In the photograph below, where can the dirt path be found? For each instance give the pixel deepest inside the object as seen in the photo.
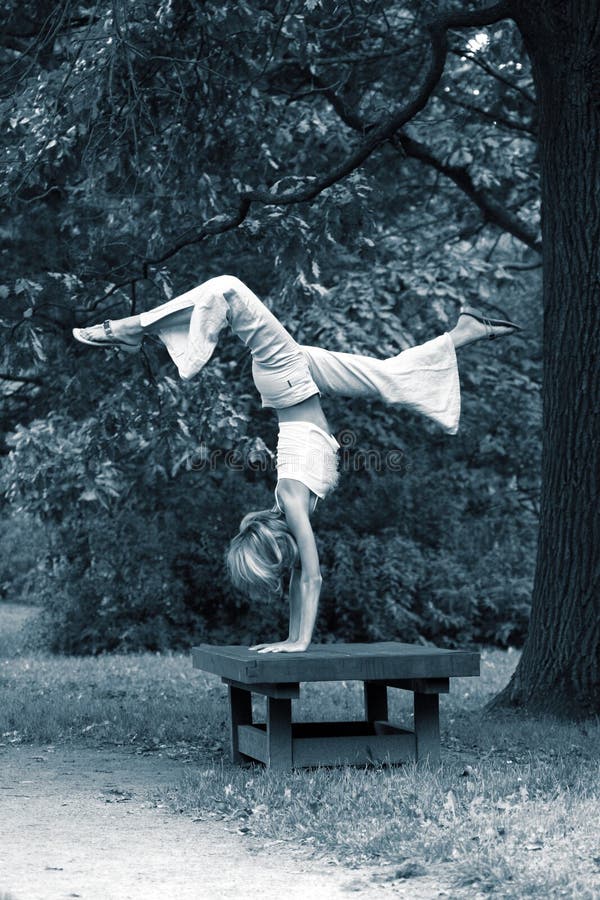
(83, 823)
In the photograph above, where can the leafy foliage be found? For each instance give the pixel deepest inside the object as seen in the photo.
(125, 132)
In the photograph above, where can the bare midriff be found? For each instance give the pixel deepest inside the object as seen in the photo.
(309, 410)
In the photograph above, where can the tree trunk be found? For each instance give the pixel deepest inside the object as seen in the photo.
(559, 671)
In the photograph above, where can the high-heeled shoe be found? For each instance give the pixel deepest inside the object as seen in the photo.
(109, 341)
(489, 322)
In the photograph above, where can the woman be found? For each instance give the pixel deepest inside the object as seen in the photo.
(290, 378)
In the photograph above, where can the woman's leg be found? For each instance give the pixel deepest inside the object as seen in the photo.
(188, 325)
(422, 378)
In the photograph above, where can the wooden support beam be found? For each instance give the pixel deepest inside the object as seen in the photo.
(291, 691)
(279, 732)
(253, 742)
(240, 713)
(422, 685)
(427, 728)
(353, 750)
(376, 702)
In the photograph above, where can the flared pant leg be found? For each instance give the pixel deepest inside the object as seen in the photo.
(422, 378)
(191, 344)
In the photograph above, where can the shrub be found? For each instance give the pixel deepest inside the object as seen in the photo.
(23, 546)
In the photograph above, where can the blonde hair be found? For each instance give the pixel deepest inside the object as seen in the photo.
(260, 554)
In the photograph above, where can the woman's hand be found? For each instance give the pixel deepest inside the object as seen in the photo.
(282, 647)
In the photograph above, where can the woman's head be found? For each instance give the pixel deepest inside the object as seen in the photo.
(261, 553)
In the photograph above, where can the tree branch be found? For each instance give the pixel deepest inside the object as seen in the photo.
(496, 118)
(494, 73)
(377, 135)
(492, 210)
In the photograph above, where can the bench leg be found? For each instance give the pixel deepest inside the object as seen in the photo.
(240, 713)
(279, 733)
(376, 701)
(427, 728)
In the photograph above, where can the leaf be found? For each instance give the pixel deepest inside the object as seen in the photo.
(37, 347)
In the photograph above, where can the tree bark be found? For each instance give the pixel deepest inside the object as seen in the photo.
(559, 671)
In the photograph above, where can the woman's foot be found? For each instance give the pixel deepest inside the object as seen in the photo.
(126, 334)
(473, 325)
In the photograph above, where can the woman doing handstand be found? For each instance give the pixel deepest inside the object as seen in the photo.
(290, 379)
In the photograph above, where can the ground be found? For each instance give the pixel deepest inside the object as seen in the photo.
(115, 783)
(88, 823)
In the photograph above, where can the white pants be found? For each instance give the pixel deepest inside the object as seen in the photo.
(423, 378)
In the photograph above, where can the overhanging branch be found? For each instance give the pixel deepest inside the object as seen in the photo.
(377, 135)
(492, 209)
(494, 73)
(494, 117)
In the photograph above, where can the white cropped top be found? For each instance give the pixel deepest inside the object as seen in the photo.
(308, 454)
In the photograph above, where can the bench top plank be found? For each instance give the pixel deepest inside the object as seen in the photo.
(335, 662)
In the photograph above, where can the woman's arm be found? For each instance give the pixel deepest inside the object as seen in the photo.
(305, 583)
(294, 601)
(304, 603)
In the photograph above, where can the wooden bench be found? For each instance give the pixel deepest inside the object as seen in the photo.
(283, 744)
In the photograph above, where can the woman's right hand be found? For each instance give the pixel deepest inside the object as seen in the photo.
(282, 647)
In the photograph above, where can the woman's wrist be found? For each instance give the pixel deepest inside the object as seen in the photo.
(298, 644)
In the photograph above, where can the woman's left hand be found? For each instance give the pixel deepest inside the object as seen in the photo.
(282, 647)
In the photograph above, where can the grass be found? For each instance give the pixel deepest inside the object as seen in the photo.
(512, 811)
